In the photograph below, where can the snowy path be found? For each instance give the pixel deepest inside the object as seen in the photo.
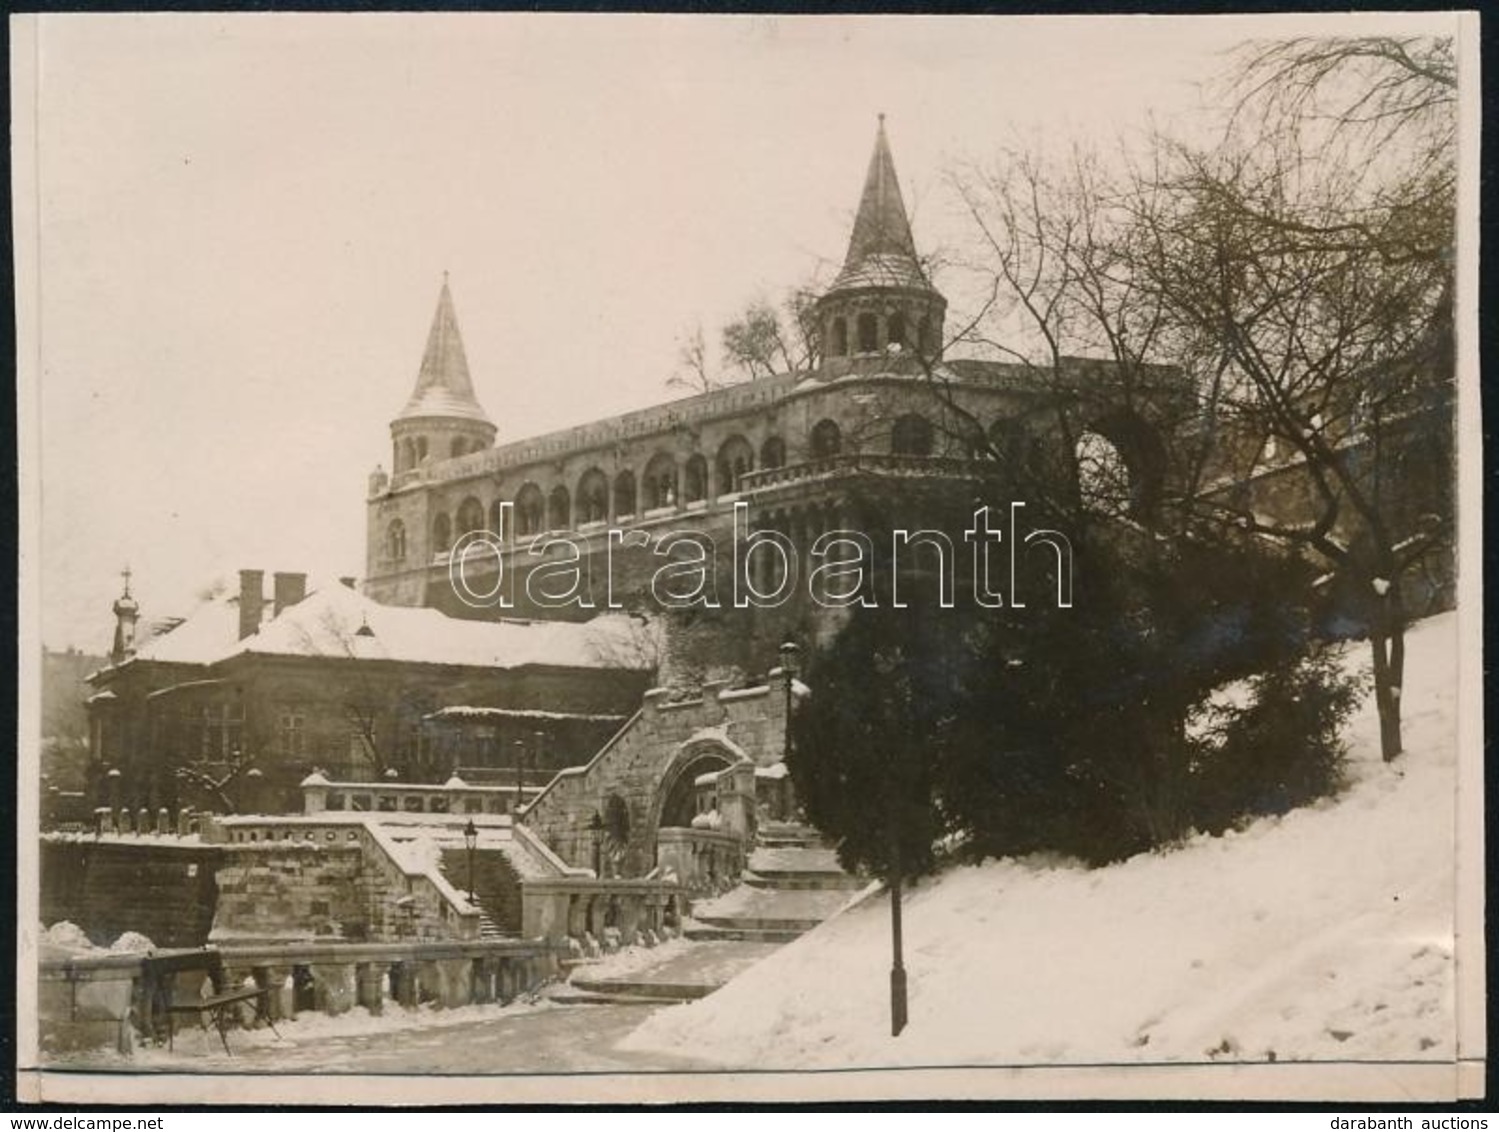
(542, 1039)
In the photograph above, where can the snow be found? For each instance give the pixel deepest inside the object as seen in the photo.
(329, 620)
(1324, 934)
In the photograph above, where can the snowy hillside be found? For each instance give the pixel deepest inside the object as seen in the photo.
(1326, 934)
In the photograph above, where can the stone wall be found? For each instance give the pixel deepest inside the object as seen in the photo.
(293, 891)
(661, 747)
(163, 888)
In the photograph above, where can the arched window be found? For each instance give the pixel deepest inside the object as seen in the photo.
(840, 338)
(827, 439)
(869, 334)
(395, 541)
(911, 436)
(624, 494)
(559, 509)
(421, 449)
(442, 534)
(895, 330)
(494, 519)
(593, 497)
(530, 510)
(695, 479)
(773, 453)
(735, 458)
(470, 516)
(459, 447)
(661, 481)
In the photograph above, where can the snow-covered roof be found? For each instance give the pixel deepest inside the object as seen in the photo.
(465, 711)
(331, 621)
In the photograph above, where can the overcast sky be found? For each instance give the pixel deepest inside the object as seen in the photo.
(245, 221)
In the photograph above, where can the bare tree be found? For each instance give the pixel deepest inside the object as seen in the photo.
(693, 373)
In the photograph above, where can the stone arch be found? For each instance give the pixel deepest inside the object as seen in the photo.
(1138, 475)
(827, 439)
(593, 497)
(530, 510)
(695, 479)
(735, 459)
(773, 453)
(675, 801)
(470, 515)
(625, 496)
(559, 509)
(661, 481)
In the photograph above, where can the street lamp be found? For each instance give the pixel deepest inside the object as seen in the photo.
(470, 841)
(596, 830)
(789, 652)
(520, 774)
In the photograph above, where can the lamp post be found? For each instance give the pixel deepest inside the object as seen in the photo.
(897, 963)
(520, 774)
(596, 831)
(470, 842)
(789, 651)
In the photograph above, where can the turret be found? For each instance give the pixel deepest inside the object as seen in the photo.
(127, 612)
(882, 302)
(443, 418)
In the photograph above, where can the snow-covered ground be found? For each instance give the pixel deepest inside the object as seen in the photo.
(1324, 934)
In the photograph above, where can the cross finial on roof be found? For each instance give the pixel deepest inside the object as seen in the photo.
(125, 573)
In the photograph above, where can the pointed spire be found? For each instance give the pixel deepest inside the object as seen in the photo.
(443, 386)
(881, 227)
(881, 251)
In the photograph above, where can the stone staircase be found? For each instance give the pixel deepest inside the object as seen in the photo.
(496, 889)
(793, 883)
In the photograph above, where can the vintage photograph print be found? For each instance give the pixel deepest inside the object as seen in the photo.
(605, 558)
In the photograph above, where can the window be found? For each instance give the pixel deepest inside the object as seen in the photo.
(395, 541)
(442, 534)
(911, 436)
(495, 512)
(470, 516)
(869, 334)
(735, 458)
(827, 439)
(559, 509)
(335, 801)
(895, 330)
(840, 338)
(421, 449)
(460, 446)
(773, 453)
(593, 497)
(291, 734)
(661, 481)
(221, 726)
(624, 494)
(529, 510)
(695, 479)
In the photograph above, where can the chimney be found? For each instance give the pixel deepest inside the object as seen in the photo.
(289, 589)
(251, 601)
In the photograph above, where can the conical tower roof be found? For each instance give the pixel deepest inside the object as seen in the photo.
(443, 386)
(881, 252)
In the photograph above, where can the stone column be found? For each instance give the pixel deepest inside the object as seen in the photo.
(280, 1000)
(370, 978)
(334, 986)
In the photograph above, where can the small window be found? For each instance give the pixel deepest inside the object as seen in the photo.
(840, 338)
(335, 801)
(895, 330)
(869, 334)
(827, 439)
(413, 804)
(442, 534)
(773, 453)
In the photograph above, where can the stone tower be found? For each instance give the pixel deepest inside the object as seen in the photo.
(127, 612)
(882, 303)
(443, 418)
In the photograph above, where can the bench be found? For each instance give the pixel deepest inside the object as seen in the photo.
(218, 1008)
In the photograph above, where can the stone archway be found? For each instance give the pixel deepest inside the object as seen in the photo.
(676, 797)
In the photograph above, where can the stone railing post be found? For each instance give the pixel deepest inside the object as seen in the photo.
(335, 989)
(370, 979)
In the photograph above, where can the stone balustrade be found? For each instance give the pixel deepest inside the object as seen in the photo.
(94, 1000)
